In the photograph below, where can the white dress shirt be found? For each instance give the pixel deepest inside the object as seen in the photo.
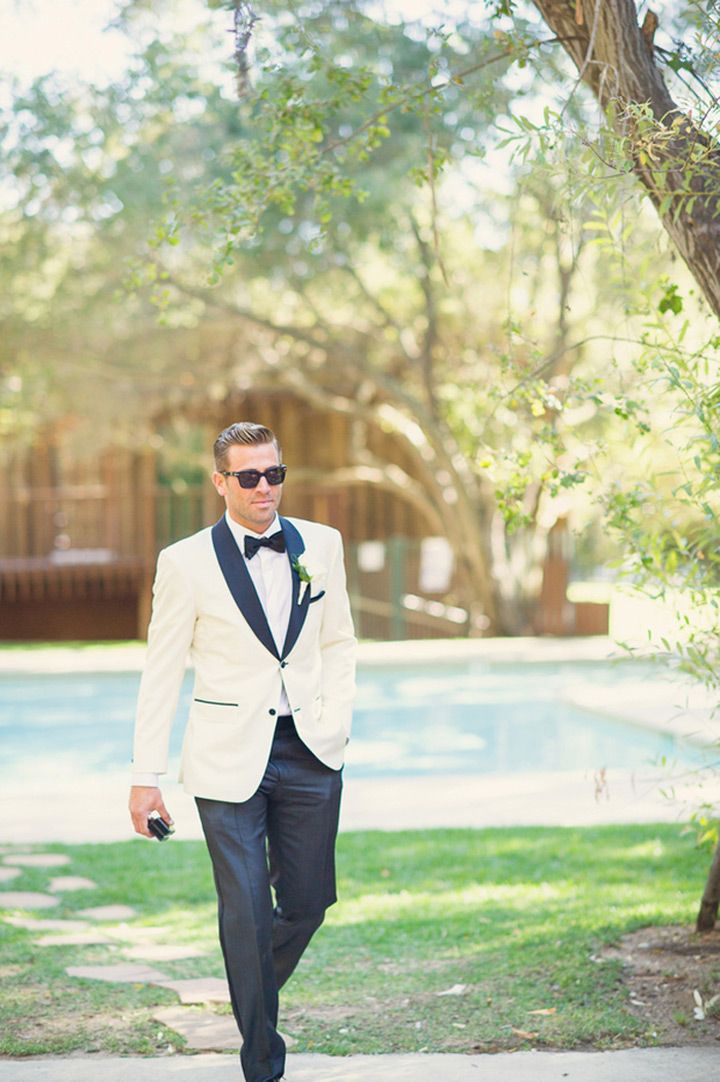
(272, 578)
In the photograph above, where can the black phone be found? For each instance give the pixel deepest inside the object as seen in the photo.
(159, 827)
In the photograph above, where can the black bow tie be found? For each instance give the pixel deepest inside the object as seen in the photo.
(276, 542)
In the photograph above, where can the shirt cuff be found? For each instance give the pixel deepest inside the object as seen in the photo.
(145, 779)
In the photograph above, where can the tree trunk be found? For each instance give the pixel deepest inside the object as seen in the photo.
(678, 163)
(711, 897)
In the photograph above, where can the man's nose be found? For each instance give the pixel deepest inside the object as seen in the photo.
(263, 484)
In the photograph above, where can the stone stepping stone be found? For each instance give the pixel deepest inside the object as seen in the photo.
(47, 925)
(108, 912)
(28, 899)
(38, 860)
(6, 874)
(162, 952)
(202, 1030)
(71, 882)
(72, 939)
(200, 989)
(123, 973)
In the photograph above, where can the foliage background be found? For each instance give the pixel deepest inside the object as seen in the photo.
(425, 222)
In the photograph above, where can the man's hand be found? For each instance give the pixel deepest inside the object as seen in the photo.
(143, 800)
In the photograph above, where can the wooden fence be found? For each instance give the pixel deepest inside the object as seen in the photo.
(76, 562)
(77, 559)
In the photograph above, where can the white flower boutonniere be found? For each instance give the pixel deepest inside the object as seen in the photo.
(306, 572)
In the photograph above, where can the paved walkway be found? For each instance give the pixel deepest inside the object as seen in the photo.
(632, 1065)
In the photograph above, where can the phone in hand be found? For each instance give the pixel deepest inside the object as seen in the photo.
(158, 826)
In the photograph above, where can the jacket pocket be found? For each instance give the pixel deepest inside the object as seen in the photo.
(214, 702)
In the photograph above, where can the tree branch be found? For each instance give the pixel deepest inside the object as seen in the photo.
(620, 69)
(431, 329)
(417, 94)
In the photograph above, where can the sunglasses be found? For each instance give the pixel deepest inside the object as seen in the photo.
(275, 475)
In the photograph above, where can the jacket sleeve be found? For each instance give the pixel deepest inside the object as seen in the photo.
(338, 644)
(169, 637)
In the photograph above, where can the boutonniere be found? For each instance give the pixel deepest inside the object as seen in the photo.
(306, 572)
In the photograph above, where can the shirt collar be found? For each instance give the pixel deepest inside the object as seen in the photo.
(239, 531)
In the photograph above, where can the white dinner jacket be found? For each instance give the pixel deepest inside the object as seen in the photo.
(205, 604)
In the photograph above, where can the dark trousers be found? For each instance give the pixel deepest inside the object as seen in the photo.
(282, 837)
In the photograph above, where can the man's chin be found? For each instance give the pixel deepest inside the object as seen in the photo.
(263, 519)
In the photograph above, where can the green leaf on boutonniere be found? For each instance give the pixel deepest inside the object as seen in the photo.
(302, 571)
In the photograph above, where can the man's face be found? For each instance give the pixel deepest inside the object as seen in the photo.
(253, 508)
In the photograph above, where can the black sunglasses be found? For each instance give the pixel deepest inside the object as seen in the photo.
(275, 475)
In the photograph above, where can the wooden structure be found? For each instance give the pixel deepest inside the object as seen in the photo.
(556, 615)
(79, 535)
(77, 544)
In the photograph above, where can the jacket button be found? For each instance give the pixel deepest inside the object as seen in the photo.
(283, 664)
(272, 712)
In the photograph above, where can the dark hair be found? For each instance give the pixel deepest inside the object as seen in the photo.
(246, 433)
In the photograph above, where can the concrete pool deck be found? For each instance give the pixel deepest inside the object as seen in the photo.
(46, 807)
(130, 657)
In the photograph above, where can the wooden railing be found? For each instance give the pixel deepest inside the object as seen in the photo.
(85, 522)
(76, 543)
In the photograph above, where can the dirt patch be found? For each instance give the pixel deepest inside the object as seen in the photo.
(94, 1024)
(666, 971)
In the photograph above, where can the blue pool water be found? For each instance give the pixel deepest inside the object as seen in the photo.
(464, 717)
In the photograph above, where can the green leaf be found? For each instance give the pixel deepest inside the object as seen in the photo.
(671, 300)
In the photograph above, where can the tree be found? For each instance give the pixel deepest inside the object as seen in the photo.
(396, 366)
(480, 402)
(675, 156)
(383, 347)
(676, 159)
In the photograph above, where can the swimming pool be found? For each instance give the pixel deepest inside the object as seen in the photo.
(460, 717)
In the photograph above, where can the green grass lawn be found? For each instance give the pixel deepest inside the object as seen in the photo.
(514, 915)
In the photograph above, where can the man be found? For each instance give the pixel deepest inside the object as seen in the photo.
(260, 604)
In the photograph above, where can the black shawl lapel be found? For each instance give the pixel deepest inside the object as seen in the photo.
(295, 547)
(240, 585)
